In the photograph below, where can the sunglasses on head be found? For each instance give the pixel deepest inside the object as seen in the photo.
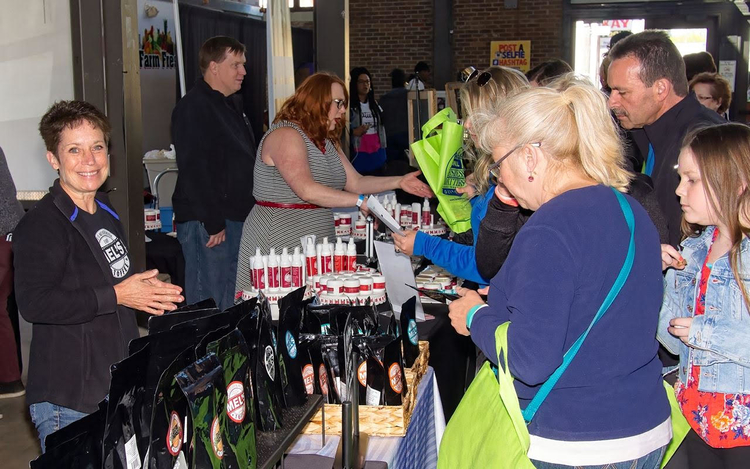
(482, 78)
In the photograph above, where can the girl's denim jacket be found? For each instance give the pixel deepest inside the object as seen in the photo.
(720, 338)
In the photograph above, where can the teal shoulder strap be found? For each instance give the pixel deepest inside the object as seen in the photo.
(544, 391)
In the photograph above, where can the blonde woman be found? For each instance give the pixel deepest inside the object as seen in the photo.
(558, 153)
(481, 92)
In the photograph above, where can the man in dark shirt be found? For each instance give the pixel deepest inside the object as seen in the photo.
(215, 157)
(650, 98)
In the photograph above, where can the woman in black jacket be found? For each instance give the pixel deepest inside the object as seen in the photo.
(74, 279)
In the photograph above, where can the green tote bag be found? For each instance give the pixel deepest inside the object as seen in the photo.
(487, 430)
(439, 155)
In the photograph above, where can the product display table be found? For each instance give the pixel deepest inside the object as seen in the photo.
(418, 449)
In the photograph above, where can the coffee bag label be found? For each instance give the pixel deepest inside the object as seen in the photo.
(394, 378)
(308, 377)
(362, 373)
(268, 359)
(413, 334)
(174, 434)
(216, 442)
(323, 378)
(291, 345)
(236, 401)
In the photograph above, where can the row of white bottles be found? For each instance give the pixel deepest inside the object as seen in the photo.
(277, 272)
(280, 272)
(413, 215)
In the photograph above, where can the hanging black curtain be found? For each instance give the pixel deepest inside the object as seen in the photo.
(198, 24)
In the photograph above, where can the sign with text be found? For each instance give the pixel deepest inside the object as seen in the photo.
(158, 64)
(513, 54)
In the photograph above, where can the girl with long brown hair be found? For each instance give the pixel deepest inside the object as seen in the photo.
(705, 316)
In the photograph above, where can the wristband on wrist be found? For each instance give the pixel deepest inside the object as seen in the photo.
(360, 200)
(508, 200)
(472, 312)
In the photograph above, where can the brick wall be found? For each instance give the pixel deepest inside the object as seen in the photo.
(477, 22)
(388, 34)
(384, 34)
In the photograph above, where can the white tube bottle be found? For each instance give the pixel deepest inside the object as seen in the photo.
(351, 255)
(273, 269)
(285, 270)
(258, 271)
(297, 275)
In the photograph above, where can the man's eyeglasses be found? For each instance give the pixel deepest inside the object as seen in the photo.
(340, 103)
(494, 169)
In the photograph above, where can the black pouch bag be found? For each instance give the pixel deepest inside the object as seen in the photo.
(126, 430)
(266, 373)
(361, 353)
(307, 367)
(170, 430)
(164, 348)
(409, 333)
(212, 336)
(321, 370)
(334, 364)
(76, 445)
(238, 419)
(91, 423)
(82, 451)
(364, 319)
(165, 321)
(393, 329)
(375, 392)
(289, 324)
(318, 319)
(395, 387)
(200, 382)
(240, 311)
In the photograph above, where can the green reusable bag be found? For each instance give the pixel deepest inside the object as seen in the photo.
(680, 425)
(439, 155)
(487, 429)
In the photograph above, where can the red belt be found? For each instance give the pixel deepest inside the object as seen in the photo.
(264, 203)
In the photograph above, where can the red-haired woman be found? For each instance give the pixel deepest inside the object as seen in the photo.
(301, 172)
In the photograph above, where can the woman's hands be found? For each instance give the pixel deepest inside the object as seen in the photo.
(670, 257)
(680, 328)
(470, 189)
(405, 243)
(459, 309)
(146, 293)
(409, 183)
(361, 130)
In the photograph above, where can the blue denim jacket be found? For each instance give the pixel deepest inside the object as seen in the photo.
(720, 338)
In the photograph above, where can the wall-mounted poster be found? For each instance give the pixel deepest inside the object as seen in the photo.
(513, 54)
(158, 62)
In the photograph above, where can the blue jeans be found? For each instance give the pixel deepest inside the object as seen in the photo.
(209, 272)
(650, 461)
(49, 418)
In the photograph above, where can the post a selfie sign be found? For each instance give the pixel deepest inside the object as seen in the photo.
(513, 54)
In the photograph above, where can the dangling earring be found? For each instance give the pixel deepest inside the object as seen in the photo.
(531, 178)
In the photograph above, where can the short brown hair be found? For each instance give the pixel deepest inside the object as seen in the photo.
(216, 48)
(309, 107)
(720, 89)
(657, 56)
(67, 115)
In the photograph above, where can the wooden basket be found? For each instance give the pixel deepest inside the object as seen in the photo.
(378, 420)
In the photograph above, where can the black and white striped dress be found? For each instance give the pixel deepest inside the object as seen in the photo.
(267, 227)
